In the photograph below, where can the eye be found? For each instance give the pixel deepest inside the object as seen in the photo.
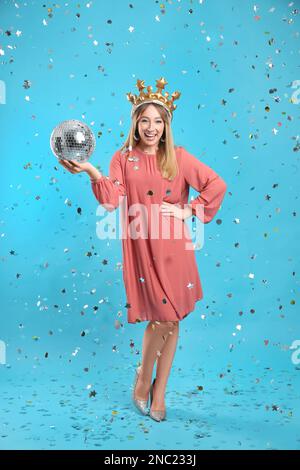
(145, 120)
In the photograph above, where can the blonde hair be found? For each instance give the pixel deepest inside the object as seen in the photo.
(166, 156)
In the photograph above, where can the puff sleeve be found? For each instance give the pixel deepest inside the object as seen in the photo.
(206, 181)
(109, 190)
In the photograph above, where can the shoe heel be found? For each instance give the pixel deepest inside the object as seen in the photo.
(151, 391)
(141, 405)
(156, 415)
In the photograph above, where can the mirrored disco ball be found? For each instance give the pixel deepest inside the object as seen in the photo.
(72, 140)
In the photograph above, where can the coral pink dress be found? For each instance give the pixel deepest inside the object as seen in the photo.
(159, 272)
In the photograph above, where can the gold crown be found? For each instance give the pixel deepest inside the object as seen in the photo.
(156, 96)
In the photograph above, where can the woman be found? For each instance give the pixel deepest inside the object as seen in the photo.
(159, 271)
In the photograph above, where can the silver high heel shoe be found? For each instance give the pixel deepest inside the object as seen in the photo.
(157, 415)
(141, 405)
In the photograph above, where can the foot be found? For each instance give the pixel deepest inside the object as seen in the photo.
(142, 389)
(158, 402)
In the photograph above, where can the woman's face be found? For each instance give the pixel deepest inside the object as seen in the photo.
(150, 127)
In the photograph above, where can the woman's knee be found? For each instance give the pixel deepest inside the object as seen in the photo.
(172, 324)
(166, 325)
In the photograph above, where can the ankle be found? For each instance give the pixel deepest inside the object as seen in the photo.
(159, 392)
(160, 384)
(145, 379)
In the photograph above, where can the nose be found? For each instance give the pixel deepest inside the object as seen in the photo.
(151, 127)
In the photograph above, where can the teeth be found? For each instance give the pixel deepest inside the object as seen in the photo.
(149, 135)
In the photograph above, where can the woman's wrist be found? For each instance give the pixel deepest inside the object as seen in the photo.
(187, 211)
(93, 173)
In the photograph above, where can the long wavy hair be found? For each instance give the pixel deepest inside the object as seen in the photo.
(166, 156)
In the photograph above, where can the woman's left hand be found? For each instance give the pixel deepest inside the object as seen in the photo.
(172, 210)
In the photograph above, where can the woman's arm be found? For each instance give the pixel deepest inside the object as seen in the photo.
(94, 174)
(206, 181)
(109, 190)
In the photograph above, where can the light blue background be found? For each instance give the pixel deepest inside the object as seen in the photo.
(250, 396)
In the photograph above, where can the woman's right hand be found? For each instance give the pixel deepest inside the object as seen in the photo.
(75, 167)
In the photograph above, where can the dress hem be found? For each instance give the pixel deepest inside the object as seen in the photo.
(178, 319)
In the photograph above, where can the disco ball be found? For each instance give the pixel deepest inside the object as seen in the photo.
(72, 140)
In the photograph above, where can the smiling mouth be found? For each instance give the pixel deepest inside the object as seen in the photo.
(149, 136)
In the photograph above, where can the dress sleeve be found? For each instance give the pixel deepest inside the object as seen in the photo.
(205, 180)
(109, 190)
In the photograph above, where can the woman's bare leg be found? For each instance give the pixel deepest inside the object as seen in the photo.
(155, 337)
(163, 368)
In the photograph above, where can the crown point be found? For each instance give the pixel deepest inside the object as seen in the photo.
(140, 84)
(161, 82)
(157, 96)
